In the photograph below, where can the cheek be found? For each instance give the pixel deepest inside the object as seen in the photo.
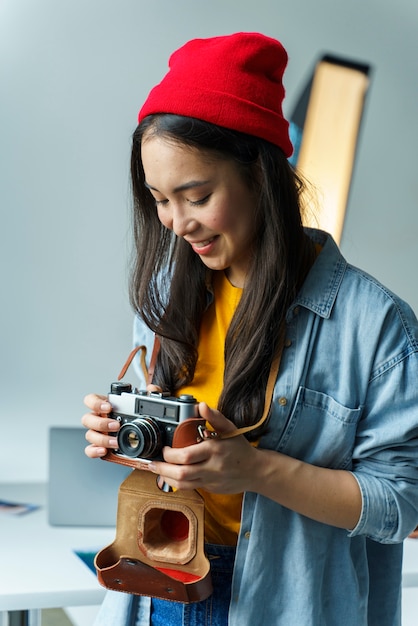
(232, 224)
(236, 215)
(222, 220)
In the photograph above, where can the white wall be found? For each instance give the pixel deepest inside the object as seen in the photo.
(72, 77)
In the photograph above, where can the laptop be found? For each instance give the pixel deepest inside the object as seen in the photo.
(81, 491)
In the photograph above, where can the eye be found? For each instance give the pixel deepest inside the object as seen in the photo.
(159, 202)
(156, 201)
(201, 201)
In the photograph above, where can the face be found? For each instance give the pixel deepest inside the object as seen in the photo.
(203, 200)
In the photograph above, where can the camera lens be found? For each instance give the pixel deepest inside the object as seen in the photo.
(140, 438)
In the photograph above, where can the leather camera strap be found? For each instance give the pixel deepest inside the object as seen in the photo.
(274, 370)
(148, 374)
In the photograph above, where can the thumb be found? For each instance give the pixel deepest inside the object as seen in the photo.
(151, 388)
(218, 422)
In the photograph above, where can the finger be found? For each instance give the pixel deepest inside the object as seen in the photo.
(98, 404)
(177, 476)
(101, 440)
(101, 424)
(197, 453)
(217, 421)
(154, 388)
(95, 452)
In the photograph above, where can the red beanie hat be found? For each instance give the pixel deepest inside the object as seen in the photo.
(233, 81)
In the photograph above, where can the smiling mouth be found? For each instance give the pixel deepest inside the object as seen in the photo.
(202, 244)
(203, 247)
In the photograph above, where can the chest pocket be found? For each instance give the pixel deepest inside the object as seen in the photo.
(320, 430)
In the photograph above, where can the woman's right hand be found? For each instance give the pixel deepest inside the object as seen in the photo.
(101, 429)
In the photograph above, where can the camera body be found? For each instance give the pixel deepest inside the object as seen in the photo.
(148, 420)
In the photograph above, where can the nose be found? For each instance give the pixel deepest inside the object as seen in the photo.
(182, 221)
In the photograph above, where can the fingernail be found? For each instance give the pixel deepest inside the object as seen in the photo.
(114, 425)
(105, 406)
(113, 442)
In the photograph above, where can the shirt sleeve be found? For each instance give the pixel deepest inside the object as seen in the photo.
(385, 458)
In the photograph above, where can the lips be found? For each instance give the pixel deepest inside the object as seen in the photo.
(202, 244)
(203, 247)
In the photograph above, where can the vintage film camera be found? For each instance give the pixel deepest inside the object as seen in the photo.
(148, 420)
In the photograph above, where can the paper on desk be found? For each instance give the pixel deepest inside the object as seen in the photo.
(16, 508)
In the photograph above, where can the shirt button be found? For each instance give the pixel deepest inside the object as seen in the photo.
(287, 343)
(282, 401)
(296, 310)
(247, 534)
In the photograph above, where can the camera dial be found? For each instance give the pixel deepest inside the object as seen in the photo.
(120, 387)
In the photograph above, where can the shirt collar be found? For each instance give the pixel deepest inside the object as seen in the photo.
(320, 289)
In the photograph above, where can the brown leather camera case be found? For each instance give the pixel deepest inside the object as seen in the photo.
(159, 546)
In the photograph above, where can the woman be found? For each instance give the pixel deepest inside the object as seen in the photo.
(307, 513)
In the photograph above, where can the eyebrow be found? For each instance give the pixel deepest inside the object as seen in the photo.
(189, 185)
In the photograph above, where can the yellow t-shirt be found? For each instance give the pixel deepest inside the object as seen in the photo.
(222, 512)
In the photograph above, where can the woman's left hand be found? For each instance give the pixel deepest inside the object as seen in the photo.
(227, 466)
(216, 465)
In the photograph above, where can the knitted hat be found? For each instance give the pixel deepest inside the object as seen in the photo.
(234, 81)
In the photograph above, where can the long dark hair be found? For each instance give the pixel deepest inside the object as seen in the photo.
(168, 287)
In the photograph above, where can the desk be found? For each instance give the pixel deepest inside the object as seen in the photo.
(38, 566)
(410, 563)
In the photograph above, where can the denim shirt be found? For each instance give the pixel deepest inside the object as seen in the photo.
(346, 398)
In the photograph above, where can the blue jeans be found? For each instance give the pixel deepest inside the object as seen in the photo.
(210, 612)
